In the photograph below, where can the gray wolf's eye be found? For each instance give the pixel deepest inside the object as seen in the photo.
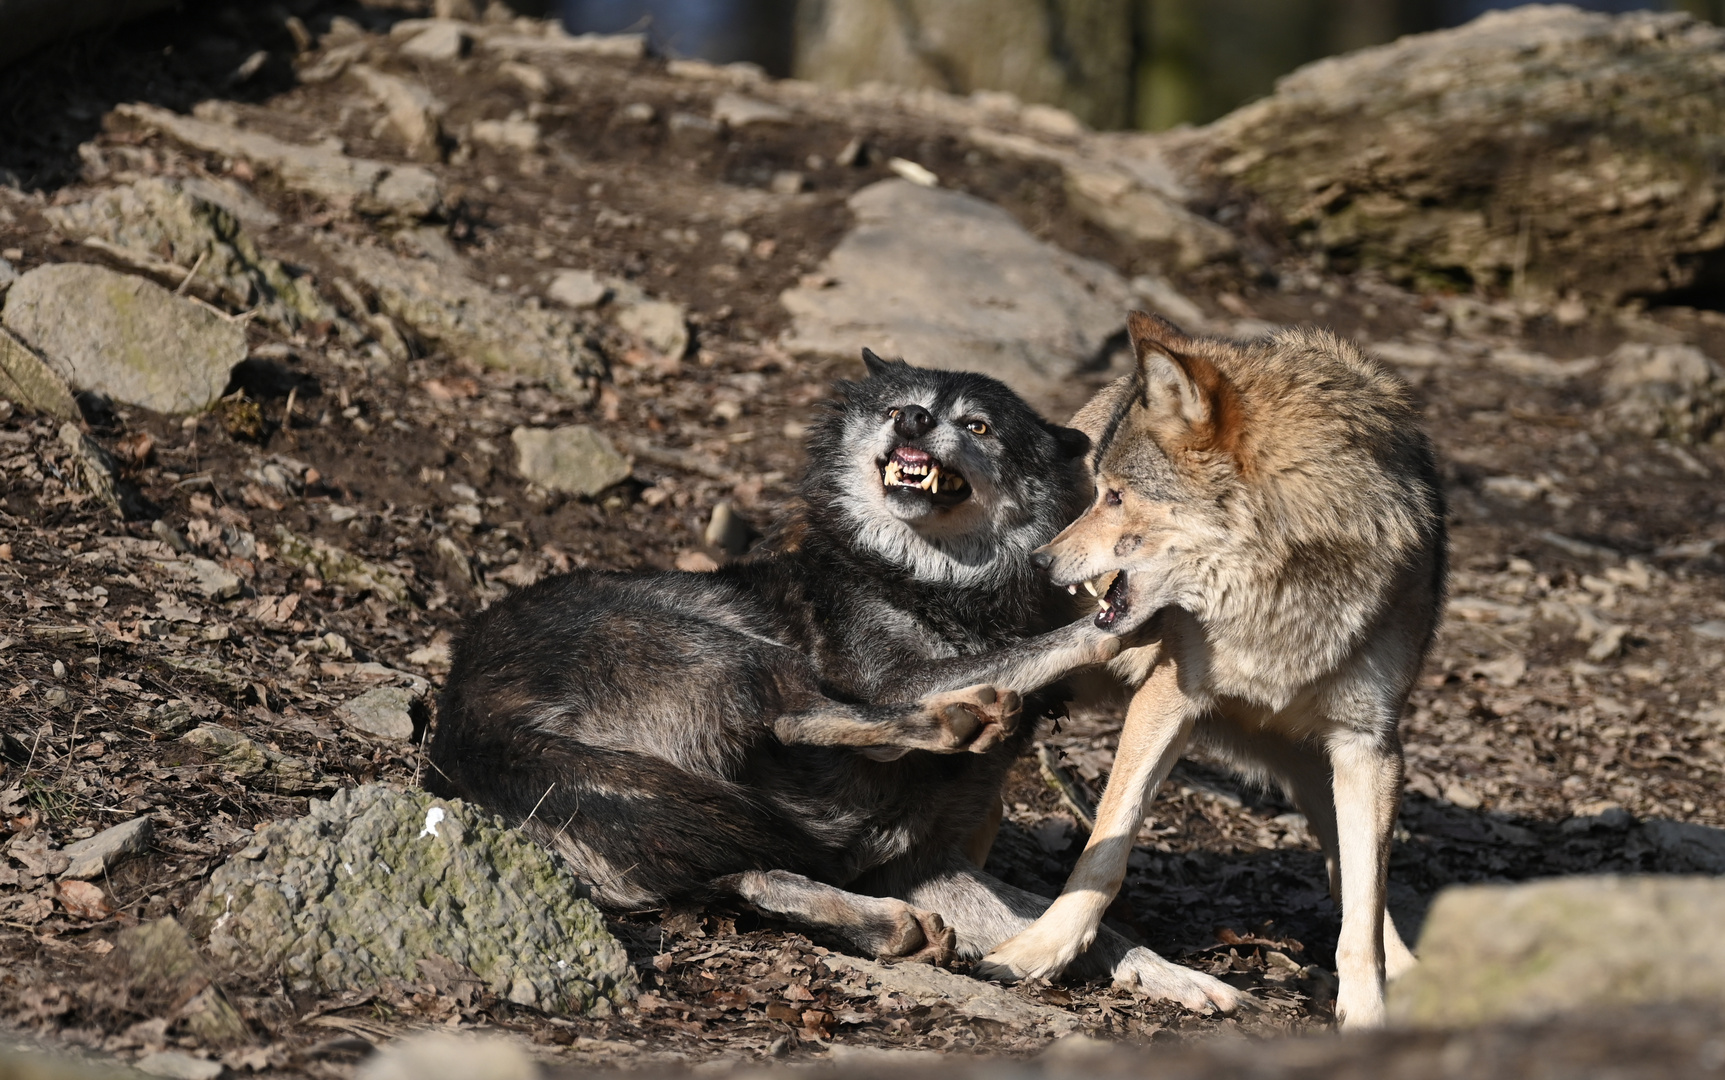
(976, 427)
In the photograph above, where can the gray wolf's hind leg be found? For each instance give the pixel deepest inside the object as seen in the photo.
(986, 911)
(878, 925)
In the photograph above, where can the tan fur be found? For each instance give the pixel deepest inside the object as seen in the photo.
(1276, 510)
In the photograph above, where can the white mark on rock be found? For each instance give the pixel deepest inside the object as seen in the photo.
(348, 867)
(432, 817)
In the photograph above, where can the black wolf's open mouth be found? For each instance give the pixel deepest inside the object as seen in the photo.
(908, 470)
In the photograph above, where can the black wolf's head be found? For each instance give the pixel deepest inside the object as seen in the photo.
(948, 474)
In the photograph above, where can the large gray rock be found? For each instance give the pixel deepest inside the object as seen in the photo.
(372, 187)
(443, 305)
(374, 881)
(1544, 147)
(126, 337)
(1522, 952)
(947, 280)
(162, 220)
(573, 459)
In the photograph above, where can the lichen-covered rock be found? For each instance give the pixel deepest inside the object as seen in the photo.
(1544, 148)
(161, 219)
(375, 880)
(124, 336)
(442, 305)
(244, 759)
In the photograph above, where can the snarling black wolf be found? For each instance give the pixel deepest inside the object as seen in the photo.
(820, 729)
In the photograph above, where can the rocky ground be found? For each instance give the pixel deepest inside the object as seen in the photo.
(211, 616)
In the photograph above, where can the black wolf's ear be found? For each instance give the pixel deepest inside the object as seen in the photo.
(1175, 378)
(1072, 442)
(875, 365)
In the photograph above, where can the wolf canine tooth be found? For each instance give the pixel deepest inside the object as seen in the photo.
(1090, 587)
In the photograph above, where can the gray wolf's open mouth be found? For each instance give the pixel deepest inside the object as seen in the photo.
(910, 471)
(1111, 599)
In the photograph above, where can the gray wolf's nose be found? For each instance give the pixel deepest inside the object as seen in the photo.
(1040, 559)
(913, 422)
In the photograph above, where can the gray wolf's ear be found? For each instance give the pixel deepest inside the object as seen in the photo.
(875, 365)
(1179, 381)
(1072, 442)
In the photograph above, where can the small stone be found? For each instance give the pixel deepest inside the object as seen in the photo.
(533, 81)
(179, 1066)
(1712, 629)
(8, 274)
(523, 135)
(574, 459)
(442, 41)
(660, 324)
(124, 336)
(727, 530)
(212, 581)
(788, 182)
(343, 568)
(103, 851)
(637, 112)
(386, 712)
(578, 289)
(738, 111)
(413, 110)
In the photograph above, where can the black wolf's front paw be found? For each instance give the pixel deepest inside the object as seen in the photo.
(974, 719)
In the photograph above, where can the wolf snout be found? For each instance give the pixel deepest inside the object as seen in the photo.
(912, 422)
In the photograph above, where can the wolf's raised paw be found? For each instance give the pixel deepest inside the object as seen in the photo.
(976, 718)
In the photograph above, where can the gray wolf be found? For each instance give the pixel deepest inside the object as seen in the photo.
(819, 730)
(1267, 521)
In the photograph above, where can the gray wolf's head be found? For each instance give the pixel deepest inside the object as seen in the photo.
(948, 474)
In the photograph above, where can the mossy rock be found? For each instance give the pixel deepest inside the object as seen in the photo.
(375, 880)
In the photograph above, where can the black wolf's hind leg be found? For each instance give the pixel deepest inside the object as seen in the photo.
(974, 719)
(879, 925)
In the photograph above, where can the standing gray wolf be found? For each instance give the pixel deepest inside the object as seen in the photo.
(819, 730)
(1270, 514)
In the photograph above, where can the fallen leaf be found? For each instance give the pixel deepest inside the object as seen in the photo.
(82, 900)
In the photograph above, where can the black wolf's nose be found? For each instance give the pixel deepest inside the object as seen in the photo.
(913, 422)
(1040, 559)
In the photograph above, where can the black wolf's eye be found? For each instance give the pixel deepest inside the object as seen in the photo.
(892, 414)
(1112, 498)
(976, 427)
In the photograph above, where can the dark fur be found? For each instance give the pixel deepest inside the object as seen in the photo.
(668, 732)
